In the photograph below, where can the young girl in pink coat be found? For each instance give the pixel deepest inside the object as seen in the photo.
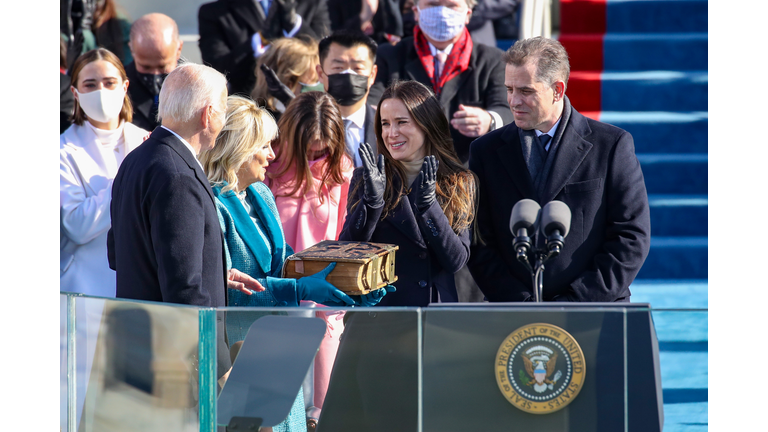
(310, 180)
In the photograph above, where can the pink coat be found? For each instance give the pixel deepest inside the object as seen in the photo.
(305, 220)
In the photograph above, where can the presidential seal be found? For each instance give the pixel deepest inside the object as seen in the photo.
(540, 368)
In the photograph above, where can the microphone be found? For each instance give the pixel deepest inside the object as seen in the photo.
(555, 224)
(523, 224)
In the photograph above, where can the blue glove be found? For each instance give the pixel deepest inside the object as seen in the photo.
(374, 297)
(318, 290)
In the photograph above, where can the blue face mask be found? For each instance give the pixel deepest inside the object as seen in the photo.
(441, 23)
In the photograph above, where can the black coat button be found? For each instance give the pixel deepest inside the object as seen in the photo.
(423, 284)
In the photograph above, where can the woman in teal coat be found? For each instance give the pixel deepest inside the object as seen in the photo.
(253, 235)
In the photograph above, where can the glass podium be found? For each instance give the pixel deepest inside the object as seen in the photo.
(130, 365)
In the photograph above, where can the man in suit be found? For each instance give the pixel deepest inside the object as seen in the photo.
(347, 70)
(156, 50)
(552, 152)
(467, 78)
(234, 32)
(166, 243)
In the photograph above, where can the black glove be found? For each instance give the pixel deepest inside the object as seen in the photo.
(374, 177)
(286, 13)
(276, 88)
(425, 195)
(74, 49)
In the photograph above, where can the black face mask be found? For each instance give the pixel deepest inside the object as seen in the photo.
(152, 82)
(348, 88)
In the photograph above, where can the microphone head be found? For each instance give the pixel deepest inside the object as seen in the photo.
(524, 215)
(555, 216)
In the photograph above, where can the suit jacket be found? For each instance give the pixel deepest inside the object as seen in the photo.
(481, 85)
(166, 243)
(227, 26)
(596, 173)
(429, 254)
(345, 14)
(143, 114)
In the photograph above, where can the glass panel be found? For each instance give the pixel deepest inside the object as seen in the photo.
(136, 366)
(684, 358)
(486, 368)
(63, 388)
(372, 355)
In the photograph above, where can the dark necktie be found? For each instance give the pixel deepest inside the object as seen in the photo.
(544, 139)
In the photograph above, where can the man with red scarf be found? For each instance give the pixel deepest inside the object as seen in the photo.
(467, 78)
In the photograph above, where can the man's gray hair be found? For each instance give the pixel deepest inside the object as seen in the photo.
(188, 89)
(550, 57)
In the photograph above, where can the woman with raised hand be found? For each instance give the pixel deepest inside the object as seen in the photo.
(417, 195)
(253, 234)
(90, 152)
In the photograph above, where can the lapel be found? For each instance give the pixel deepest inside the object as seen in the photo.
(162, 135)
(90, 161)
(248, 13)
(369, 129)
(272, 225)
(134, 136)
(511, 156)
(415, 70)
(573, 148)
(245, 227)
(404, 220)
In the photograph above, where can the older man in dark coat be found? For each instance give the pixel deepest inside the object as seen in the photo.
(467, 78)
(166, 243)
(552, 152)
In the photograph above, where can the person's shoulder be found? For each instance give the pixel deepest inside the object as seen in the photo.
(600, 129)
(494, 138)
(214, 7)
(403, 46)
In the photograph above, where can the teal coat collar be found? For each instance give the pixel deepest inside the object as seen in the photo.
(246, 228)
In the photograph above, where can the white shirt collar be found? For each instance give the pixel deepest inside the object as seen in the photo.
(552, 131)
(186, 144)
(357, 117)
(434, 50)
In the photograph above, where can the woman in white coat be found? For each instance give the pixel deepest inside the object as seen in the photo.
(91, 151)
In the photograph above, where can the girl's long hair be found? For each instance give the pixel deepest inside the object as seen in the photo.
(309, 116)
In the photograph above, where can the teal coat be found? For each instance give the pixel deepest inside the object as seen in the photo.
(247, 248)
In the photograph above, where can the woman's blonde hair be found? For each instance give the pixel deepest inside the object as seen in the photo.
(247, 127)
(290, 58)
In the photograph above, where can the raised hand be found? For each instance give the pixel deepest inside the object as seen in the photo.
(374, 177)
(427, 182)
(276, 88)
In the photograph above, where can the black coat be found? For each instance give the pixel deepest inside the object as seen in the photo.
(227, 26)
(596, 173)
(345, 14)
(66, 102)
(482, 85)
(165, 242)
(144, 108)
(429, 254)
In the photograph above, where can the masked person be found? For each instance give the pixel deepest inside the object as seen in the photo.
(156, 51)
(467, 78)
(91, 151)
(287, 69)
(348, 70)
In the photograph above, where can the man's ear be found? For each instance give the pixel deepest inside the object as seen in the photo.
(372, 76)
(178, 51)
(559, 90)
(205, 116)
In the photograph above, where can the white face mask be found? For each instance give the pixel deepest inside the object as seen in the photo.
(441, 23)
(102, 105)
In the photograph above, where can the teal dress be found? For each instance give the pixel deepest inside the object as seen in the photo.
(255, 244)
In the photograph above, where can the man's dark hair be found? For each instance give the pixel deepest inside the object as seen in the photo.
(347, 39)
(549, 55)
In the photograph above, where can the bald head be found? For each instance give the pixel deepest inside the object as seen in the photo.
(155, 44)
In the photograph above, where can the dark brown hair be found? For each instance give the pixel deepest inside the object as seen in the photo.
(309, 116)
(548, 55)
(78, 116)
(456, 185)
